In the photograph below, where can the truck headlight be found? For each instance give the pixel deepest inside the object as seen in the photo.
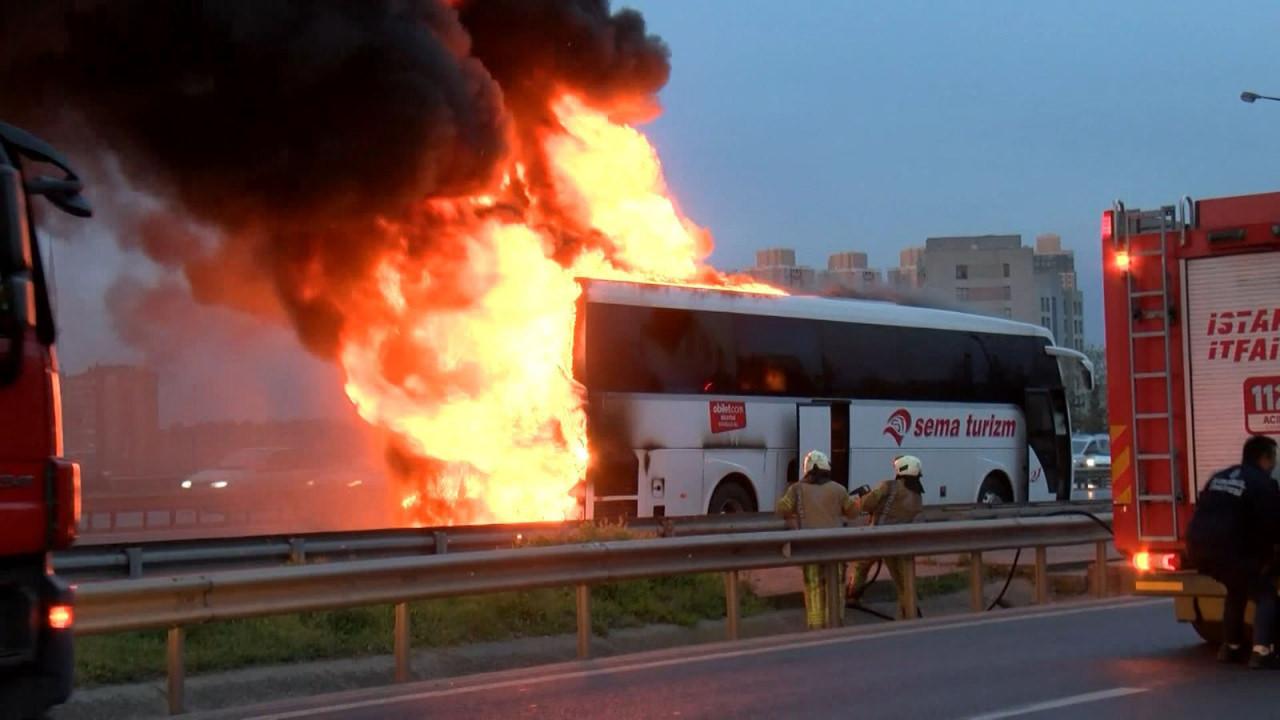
(1090, 462)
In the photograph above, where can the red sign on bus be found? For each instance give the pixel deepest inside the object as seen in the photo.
(727, 415)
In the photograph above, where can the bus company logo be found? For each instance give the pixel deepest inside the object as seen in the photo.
(898, 425)
(727, 415)
(902, 425)
(1248, 335)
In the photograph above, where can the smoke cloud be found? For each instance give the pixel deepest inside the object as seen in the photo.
(282, 137)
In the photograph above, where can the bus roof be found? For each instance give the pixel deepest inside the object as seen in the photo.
(874, 312)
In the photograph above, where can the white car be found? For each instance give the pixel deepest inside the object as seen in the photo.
(1091, 460)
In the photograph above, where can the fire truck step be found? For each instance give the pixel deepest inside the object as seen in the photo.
(1156, 498)
(1152, 416)
(1147, 293)
(1148, 253)
(1150, 375)
(1154, 456)
(1150, 334)
(1159, 538)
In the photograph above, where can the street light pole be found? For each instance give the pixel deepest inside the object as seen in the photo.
(1250, 97)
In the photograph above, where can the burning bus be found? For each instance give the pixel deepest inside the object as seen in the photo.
(700, 400)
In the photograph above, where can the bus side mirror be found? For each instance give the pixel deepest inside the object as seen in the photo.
(64, 194)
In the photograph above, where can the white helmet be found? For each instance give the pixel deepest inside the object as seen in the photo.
(908, 466)
(816, 459)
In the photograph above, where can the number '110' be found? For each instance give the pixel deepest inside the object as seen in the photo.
(1266, 398)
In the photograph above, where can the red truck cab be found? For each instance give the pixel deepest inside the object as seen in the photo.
(1193, 355)
(39, 490)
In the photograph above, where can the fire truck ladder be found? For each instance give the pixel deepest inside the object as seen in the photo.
(1166, 221)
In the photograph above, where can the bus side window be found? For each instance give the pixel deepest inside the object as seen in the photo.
(778, 356)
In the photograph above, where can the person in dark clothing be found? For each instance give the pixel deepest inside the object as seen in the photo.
(1232, 538)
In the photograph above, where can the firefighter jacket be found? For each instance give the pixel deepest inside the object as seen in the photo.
(821, 504)
(1237, 519)
(893, 502)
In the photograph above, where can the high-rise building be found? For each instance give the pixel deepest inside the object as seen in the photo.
(1061, 301)
(990, 274)
(777, 266)
(849, 271)
(111, 417)
(846, 271)
(906, 277)
(997, 275)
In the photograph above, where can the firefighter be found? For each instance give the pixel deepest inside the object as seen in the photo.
(818, 502)
(892, 502)
(1232, 538)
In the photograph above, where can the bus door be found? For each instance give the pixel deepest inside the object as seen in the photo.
(1049, 434)
(824, 426)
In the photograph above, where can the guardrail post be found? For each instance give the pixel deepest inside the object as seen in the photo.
(176, 669)
(1042, 575)
(134, 556)
(441, 541)
(731, 605)
(584, 621)
(976, 582)
(910, 608)
(1100, 570)
(297, 551)
(403, 668)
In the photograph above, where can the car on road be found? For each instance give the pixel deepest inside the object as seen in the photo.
(301, 489)
(1091, 461)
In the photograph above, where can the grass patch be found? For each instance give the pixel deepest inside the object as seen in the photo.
(942, 584)
(354, 632)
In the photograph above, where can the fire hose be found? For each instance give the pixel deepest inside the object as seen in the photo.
(855, 595)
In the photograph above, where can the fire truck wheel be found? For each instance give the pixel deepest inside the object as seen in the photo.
(731, 496)
(995, 490)
(1211, 631)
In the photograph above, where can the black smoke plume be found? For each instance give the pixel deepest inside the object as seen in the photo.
(294, 130)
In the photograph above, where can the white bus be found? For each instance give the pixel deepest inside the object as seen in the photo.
(701, 401)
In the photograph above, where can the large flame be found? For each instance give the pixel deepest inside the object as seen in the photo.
(465, 358)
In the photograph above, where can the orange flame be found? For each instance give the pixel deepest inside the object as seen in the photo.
(466, 359)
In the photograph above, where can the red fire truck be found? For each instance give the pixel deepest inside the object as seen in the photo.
(39, 491)
(1193, 355)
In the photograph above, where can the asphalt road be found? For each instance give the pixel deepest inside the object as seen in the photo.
(1112, 659)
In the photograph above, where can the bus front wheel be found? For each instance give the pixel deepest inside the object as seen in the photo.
(731, 496)
(995, 490)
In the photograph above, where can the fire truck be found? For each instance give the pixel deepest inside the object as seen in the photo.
(39, 490)
(1192, 296)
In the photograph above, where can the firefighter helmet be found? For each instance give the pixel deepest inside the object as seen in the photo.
(816, 459)
(908, 466)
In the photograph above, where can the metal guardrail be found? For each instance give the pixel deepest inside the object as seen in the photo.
(172, 603)
(134, 560)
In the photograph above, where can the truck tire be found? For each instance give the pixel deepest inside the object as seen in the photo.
(1210, 631)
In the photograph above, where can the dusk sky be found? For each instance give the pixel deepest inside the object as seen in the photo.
(829, 126)
(826, 125)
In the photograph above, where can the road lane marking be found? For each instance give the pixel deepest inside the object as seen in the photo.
(707, 657)
(1060, 703)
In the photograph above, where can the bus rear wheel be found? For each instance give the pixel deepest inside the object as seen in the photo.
(995, 490)
(731, 497)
